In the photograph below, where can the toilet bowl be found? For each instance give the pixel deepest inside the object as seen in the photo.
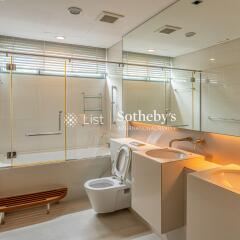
(108, 194)
(113, 193)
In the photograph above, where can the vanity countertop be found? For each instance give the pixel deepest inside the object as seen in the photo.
(185, 155)
(226, 177)
(201, 165)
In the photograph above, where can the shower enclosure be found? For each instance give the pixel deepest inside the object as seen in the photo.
(59, 107)
(52, 109)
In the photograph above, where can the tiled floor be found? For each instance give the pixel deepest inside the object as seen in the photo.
(74, 221)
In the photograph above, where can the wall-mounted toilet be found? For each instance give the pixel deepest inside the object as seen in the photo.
(113, 193)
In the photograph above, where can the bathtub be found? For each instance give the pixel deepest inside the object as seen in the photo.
(56, 156)
(34, 171)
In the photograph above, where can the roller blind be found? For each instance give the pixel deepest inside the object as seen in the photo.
(145, 72)
(50, 65)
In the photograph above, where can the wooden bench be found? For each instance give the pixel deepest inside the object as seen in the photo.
(14, 203)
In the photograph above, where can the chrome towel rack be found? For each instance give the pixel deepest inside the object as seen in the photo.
(50, 133)
(224, 119)
(43, 134)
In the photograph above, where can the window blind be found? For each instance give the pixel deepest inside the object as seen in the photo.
(146, 73)
(52, 65)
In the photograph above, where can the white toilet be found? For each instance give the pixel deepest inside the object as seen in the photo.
(113, 193)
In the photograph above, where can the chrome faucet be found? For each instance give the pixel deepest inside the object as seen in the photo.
(187, 139)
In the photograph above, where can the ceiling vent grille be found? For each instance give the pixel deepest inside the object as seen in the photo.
(109, 17)
(167, 29)
(197, 2)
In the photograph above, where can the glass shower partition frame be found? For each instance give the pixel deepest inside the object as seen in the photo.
(6, 133)
(38, 109)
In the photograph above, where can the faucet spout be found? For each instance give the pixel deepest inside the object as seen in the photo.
(187, 139)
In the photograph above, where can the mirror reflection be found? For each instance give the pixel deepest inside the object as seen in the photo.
(202, 50)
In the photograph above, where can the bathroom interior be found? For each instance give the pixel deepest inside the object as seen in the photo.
(75, 163)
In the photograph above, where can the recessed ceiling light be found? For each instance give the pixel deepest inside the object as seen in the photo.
(190, 34)
(151, 50)
(74, 10)
(60, 37)
(212, 59)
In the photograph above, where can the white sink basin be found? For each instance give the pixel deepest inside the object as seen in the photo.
(166, 153)
(229, 178)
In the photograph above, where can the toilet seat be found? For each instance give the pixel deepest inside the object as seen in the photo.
(119, 171)
(113, 193)
(101, 183)
(122, 162)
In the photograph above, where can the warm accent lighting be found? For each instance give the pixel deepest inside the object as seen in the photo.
(212, 59)
(60, 37)
(74, 10)
(151, 50)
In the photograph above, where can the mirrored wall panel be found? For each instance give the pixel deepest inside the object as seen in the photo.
(202, 45)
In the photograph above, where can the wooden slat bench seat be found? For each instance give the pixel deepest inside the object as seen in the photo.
(14, 203)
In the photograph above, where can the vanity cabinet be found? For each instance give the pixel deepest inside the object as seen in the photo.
(158, 191)
(213, 204)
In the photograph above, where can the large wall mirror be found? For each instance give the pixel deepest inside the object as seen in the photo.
(195, 49)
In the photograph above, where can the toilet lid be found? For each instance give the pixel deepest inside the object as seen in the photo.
(122, 162)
